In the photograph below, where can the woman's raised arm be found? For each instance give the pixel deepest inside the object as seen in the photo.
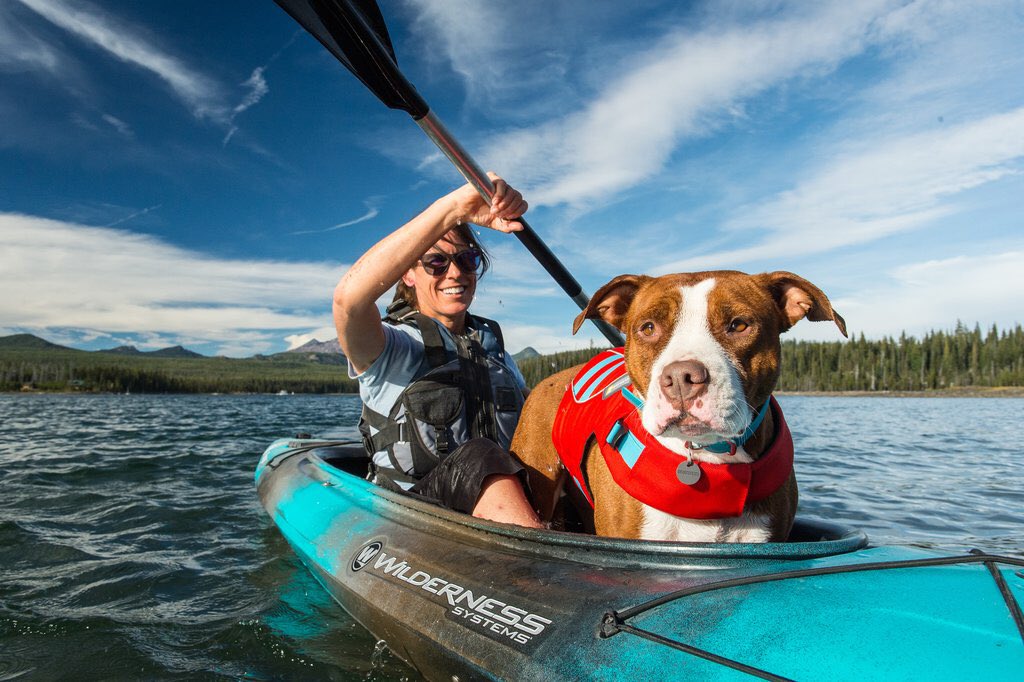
(356, 317)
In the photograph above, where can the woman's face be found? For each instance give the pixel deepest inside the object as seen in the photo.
(445, 297)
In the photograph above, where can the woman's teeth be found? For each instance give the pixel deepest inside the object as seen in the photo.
(453, 291)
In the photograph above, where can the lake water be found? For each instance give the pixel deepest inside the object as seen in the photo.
(132, 544)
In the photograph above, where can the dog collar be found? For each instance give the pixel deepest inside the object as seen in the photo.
(729, 447)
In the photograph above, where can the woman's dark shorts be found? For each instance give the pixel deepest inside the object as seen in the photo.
(457, 481)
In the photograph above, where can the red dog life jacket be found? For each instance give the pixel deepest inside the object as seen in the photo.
(594, 407)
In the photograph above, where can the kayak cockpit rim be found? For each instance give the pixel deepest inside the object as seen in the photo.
(342, 467)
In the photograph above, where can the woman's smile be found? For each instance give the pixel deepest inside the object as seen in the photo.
(453, 291)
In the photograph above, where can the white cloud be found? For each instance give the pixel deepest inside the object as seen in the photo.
(466, 29)
(873, 159)
(201, 94)
(244, 343)
(932, 295)
(120, 126)
(682, 88)
(204, 96)
(507, 56)
(895, 185)
(544, 340)
(257, 86)
(319, 334)
(21, 50)
(371, 213)
(62, 275)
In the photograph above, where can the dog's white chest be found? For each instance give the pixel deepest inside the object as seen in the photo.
(657, 525)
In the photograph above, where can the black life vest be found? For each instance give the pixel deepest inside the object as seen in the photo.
(465, 394)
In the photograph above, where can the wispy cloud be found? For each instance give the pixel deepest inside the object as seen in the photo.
(120, 126)
(65, 275)
(203, 95)
(371, 213)
(896, 185)
(21, 50)
(257, 88)
(915, 296)
(686, 86)
(505, 55)
(135, 214)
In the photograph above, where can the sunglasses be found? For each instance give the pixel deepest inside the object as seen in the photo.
(436, 263)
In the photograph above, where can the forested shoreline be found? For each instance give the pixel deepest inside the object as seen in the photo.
(940, 361)
(71, 370)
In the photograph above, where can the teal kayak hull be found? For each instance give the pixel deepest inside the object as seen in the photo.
(458, 597)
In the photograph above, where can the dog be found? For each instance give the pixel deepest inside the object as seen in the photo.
(695, 449)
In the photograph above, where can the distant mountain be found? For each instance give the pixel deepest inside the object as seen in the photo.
(122, 350)
(320, 352)
(28, 342)
(174, 352)
(526, 354)
(314, 346)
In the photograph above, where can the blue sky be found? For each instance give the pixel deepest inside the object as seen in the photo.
(202, 173)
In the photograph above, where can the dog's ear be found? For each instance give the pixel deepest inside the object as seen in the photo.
(611, 301)
(797, 298)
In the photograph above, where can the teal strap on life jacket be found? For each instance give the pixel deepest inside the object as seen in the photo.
(729, 446)
(637, 401)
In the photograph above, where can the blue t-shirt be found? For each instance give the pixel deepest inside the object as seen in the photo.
(404, 360)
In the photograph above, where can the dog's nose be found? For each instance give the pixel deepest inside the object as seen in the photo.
(683, 380)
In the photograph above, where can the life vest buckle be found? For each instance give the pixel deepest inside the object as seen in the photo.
(616, 434)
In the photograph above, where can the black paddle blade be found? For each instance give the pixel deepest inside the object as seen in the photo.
(354, 31)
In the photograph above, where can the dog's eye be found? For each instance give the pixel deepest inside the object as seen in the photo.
(737, 326)
(648, 330)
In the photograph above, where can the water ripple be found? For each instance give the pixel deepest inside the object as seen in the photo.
(133, 545)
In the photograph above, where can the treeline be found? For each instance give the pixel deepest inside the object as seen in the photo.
(538, 368)
(941, 360)
(72, 370)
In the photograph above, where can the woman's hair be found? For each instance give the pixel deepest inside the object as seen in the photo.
(461, 233)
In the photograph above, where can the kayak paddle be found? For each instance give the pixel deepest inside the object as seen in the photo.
(355, 33)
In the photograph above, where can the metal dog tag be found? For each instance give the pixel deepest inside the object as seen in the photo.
(687, 472)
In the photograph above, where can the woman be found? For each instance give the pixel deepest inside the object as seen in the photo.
(440, 395)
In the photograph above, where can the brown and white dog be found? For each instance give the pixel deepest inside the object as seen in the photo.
(702, 353)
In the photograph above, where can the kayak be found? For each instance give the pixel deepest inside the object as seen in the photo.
(462, 598)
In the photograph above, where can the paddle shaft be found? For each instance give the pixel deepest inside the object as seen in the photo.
(355, 33)
(436, 131)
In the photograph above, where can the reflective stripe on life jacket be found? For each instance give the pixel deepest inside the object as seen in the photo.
(595, 407)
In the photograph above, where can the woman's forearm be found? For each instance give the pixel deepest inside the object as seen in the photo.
(355, 297)
(383, 265)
